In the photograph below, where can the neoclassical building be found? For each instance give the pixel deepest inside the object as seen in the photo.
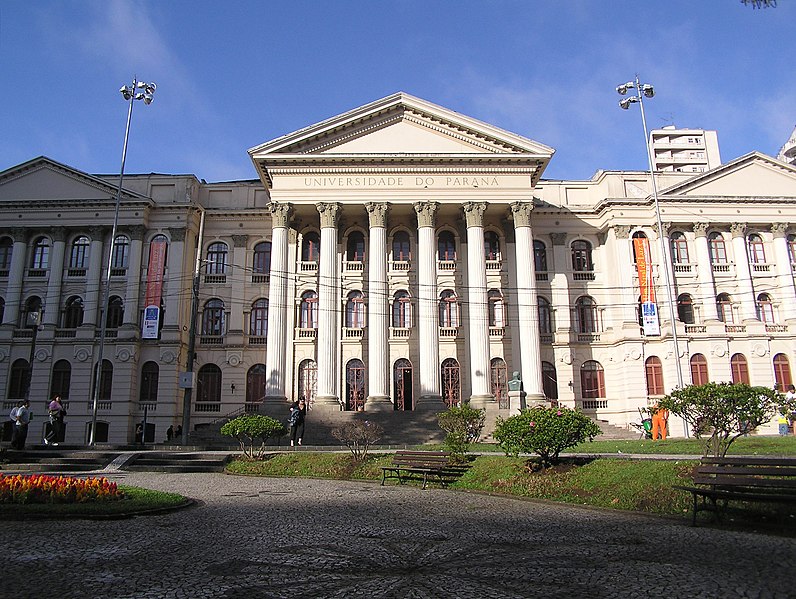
(400, 256)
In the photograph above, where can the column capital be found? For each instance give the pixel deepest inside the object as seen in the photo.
(738, 229)
(280, 214)
(474, 213)
(426, 213)
(136, 232)
(240, 241)
(96, 232)
(521, 211)
(622, 231)
(701, 229)
(779, 229)
(377, 213)
(664, 229)
(177, 233)
(558, 238)
(58, 233)
(330, 214)
(20, 234)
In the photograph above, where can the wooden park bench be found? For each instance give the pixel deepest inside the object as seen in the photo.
(428, 465)
(742, 479)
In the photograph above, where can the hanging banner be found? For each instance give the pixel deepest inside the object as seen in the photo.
(649, 309)
(154, 287)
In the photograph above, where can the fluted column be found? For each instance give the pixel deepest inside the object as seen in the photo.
(328, 306)
(52, 307)
(707, 284)
(378, 360)
(276, 348)
(624, 273)
(16, 274)
(174, 283)
(428, 316)
(743, 272)
(131, 303)
(785, 288)
(527, 302)
(93, 279)
(478, 323)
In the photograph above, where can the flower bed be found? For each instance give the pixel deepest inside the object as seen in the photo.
(38, 488)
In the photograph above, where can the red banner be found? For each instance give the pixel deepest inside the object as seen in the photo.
(154, 287)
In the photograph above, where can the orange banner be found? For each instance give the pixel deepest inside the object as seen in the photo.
(641, 245)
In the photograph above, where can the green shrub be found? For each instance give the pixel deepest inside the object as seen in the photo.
(358, 436)
(250, 428)
(544, 431)
(463, 426)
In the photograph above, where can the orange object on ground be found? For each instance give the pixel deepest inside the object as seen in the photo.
(660, 418)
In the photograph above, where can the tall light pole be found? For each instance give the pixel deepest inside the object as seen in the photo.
(645, 90)
(138, 90)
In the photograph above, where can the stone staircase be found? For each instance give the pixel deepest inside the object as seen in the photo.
(64, 459)
(177, 461)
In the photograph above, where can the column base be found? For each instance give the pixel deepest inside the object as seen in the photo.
(379, 403)
(479, 402)
(430, 403)
(326, 402)
(533, 400)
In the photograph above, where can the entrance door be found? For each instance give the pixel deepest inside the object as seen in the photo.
(355, 385)
(500, 385)
(451, 384)
(402, 375)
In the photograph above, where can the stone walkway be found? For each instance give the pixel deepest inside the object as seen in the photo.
(280, 538)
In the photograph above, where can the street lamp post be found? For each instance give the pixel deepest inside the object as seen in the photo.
(138, 90)
(645, 90)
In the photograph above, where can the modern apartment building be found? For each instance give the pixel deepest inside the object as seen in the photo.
(684, 150)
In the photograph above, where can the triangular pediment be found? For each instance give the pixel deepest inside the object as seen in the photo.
(751, 175)
(42, 179)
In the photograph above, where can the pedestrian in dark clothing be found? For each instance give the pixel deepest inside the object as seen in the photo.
(56, 413)
(298, 411)
(169, 433)
(178, 432)
(139, 433)
(21, 419)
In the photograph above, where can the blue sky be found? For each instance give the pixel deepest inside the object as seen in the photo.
(234, 74)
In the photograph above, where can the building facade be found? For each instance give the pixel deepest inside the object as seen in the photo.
(684, 150)
(400, 256)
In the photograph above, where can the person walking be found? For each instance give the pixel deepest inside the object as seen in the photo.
(660, 421)
(56, 413)
(298, 412)
(170, 433)
(22, 418)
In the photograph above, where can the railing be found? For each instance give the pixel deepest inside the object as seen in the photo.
(65, 333)
(354, 333)
(215, 279)
(446, 265)
(541, 276)
(355, 266)
(23, 334)
(399, 332)
(261, 278)
(109, 333)
(761, 268)
(3, 272)
(494, 264)
(257, 340)
(588, 337)
(684, 269)
(722, 268)
(252, 407)
(776, 328)
(583, 275)
(696, 328)
(448, 332)
(211, 340)
(306, 333)
(76, 272)
(399, 265)
(497, 331)
(735, 328)
(207, 407)
(546, 338)
(101, 405)
(118, 272)
(149, 406)
(308, 266)
(37, 272)
(595, 404)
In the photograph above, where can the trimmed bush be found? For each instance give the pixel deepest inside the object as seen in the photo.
(248, 429)
(463, 426)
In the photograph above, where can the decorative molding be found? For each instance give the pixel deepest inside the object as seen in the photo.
(234, 358)
(136, 232)
(377, 213)
(622, 231)
(665, 226)
(701, 229)
(521, 212)
(558, 238)
(97, 232)
(167, 356)
(240, 241)
(738, 229)
(20, 234)
(58, 234)
(330, 214)
(426, 213)
(177, 234)
(82, 354)
(280, 214)
(474, 213)
(779, 230)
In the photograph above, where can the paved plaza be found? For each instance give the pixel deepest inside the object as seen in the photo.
(275, 538)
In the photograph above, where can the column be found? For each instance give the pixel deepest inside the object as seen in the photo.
(277, 347)
(666, 283)
(527, 303)
(624, 273)
(237, 271)
(378, 310)
(52, 306)
(559, 287)
(428, 316)
(16, 275)
(328, 307)
(132, 318)
(478, 308)
(93, 279)
(743, 273)
(175, 283)
(707, 284)
(785, 288)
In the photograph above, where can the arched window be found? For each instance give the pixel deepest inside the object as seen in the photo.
(765, 309)
(545, 316)
(106, 381)
(739, 369)
(78, 257)
(491, 246)
(258, 321)
(724, 305)
(451, 382)
(255, 384)
(355, 310)
(782, 372)
(73, 313)
(654, 372)
(757, 251)
(718, 251)
(261, 264)
(402, 377)
(32, 313)
(636, 235)
(401, 310)
(40, 259)
(549, 381)
(699, 370)
(121, 253)
(217, 258)
(159, 242)
(592, 380)
(499, 379)
(18, 379)
(308, 311)
(446, 246)
(308, 381)
(679, 248)
(61, 379)
(355, 384)
(685, 308)
(310, 247)
(581, 256)
(355, 250)
(400, 247)
(6, 249)
(208, 384)
(496, 312)
(115, 312)
(539, 256)
(586, 315)
(448, 309)
(213, 317)
(149, 383)
(792, 248)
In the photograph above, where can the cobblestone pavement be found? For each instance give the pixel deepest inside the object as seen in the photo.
(274, 538)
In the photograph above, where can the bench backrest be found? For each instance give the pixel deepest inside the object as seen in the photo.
(758, 473)
(422, 459)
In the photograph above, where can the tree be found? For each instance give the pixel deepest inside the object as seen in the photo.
(358, 436)
(725, 411)
(463, 426)
(544, 431)
(249, 428)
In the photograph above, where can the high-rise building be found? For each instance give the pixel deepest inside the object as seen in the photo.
(684, 150)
